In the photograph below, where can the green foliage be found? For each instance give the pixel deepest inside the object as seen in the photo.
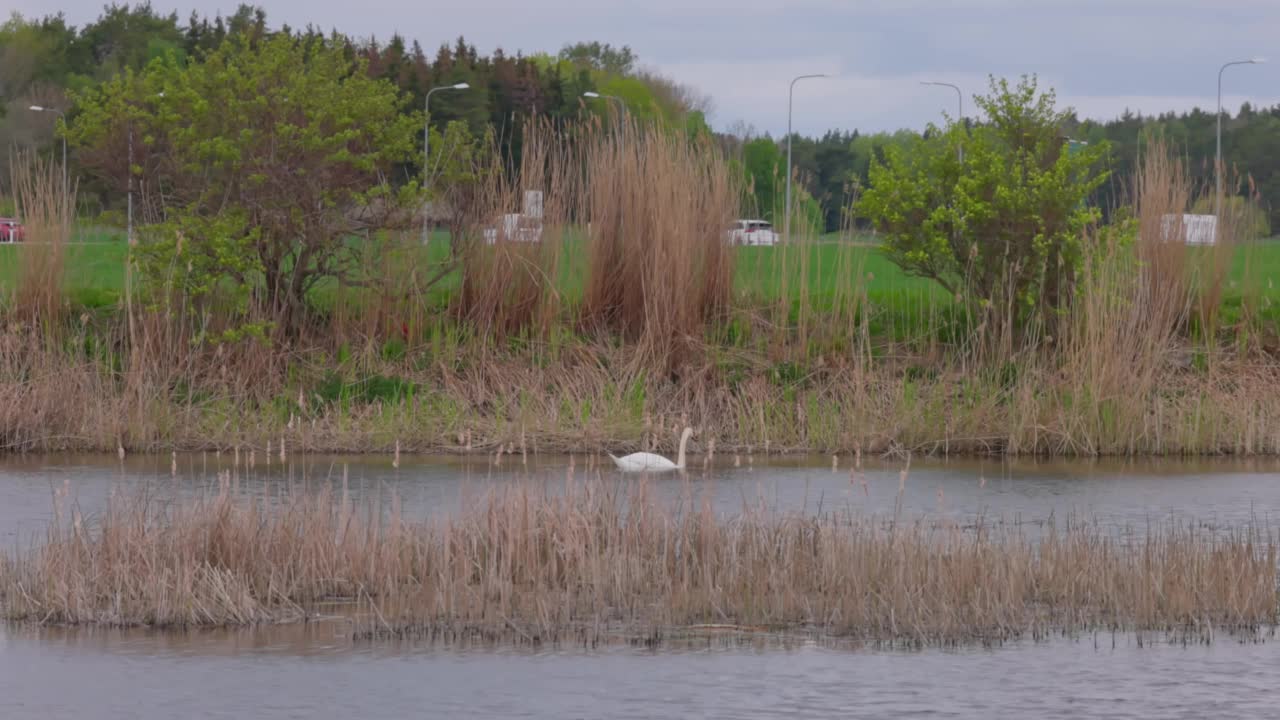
(765, 166)
(458, 162)
(834, 168)
(270, 155)
(393, 350)
(457, 157)
(54, 59)
(334, 389)
(1002, 227)
(696, 126)
(634, 93)
(600, 56)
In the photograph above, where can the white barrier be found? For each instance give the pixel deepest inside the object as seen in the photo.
(1190, 229)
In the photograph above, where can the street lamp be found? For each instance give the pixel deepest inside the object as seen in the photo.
(597, 96)
(959, 105)
(1217, 198)
(959, 96)
(426, 146)
(786, 223)
(39, 108)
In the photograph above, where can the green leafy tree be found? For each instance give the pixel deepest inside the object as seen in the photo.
(697, 128)
(1001, 228)
(600, 56)
(637, 98)
(764, 164)
(270, 156)
(765, 171)
(458, 165)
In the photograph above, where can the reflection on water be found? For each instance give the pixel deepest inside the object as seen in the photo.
(1217, 492)
(316, 670)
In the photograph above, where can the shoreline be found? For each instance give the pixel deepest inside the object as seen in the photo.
(517, 407)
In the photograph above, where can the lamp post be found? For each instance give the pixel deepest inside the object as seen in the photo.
(1217, 163)
(959, 105)
(39, 108)
(597, 96)
(786, 222)
(426, 148)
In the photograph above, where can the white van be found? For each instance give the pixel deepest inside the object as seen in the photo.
(753, 232)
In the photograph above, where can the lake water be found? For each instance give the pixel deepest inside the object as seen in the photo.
(318, 671)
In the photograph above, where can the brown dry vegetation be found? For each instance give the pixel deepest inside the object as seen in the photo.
(47, 212)
(659, 270)
(508, 287)
(657, 339)
(599, 557)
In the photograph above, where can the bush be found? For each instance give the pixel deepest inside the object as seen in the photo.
(995, 214)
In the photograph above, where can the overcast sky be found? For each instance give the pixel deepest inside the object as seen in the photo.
(1102, 56)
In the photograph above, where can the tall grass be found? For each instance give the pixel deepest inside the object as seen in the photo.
(1124, 351)
(622, 324)
(1235, 228)
(1130, 306)
(589, 554)
(40, 389)
(47, 208)
(509, 284)
(657, 207)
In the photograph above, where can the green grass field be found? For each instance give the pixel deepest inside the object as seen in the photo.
(94, 269)
(94, 266)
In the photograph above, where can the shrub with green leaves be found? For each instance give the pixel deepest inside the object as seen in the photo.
(994, 214)
(267, 155)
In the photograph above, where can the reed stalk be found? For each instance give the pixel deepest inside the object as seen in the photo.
(47, 208)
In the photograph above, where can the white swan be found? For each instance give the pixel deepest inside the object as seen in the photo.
(649, 462)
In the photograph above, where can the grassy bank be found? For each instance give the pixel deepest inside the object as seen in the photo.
(96, 257)
(615, 332)
(589, 556)
(832, 382)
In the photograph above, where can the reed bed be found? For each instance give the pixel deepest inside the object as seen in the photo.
(622, 324)
(587, 397)
(593, 556)
(658, 208)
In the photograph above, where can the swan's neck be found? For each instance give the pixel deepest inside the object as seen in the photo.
(684, 443)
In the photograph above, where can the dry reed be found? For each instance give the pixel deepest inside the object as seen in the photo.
(658, 207)
(555, 560)
(510, 269)
(47, 208)
(642, 209)
(1130, 305)
(588, 397)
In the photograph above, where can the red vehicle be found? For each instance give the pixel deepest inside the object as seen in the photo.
(11, 231)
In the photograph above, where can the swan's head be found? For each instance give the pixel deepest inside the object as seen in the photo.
(688, 433)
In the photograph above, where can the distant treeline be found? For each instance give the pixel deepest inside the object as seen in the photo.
(833, 167)
(43, 60)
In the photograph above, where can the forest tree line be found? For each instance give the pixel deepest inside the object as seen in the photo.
(46, 61)
(834, 168)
